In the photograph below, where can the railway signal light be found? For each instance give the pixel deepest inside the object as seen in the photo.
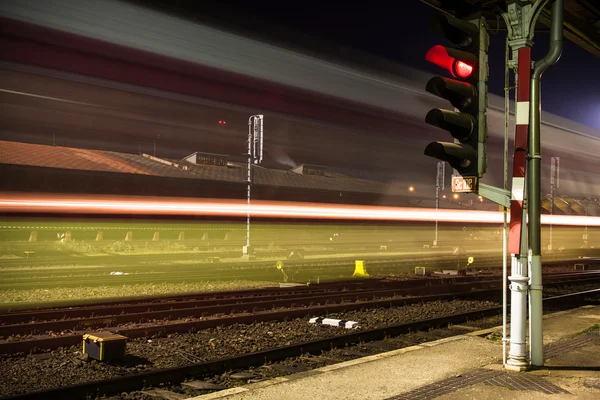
(466, 62)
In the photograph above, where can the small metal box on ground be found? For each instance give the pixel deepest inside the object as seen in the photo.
(104, 346)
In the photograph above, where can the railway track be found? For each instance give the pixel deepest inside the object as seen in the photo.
(149, 272)
(210, 257)
(26, 331)
(199, 370)
(265, 258)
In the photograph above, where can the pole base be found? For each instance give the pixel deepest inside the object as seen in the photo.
(517, 365)
(248, 253)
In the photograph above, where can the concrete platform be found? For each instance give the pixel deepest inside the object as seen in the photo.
(460, 367)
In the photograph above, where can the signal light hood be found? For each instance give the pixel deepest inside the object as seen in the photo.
(459, 63)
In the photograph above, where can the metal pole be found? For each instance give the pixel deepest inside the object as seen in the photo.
(255, 155)
(536, 309)
(437, 206)
(554, 177)
(551, 212)
(520, 21)
(249, 186)
(505, 219)
(517, 359)
(439, 185)
(585, 229)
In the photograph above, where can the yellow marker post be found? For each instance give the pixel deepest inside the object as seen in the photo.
(360, 269)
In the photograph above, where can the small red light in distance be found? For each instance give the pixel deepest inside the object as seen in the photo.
(221, 122)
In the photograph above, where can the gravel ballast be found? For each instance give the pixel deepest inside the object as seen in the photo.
(67, 366)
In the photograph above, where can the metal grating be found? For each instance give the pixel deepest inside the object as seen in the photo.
(512, 381)
(568, 345)
(592, 383)
(449, 385)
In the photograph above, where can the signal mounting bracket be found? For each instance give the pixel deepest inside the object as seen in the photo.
(497, 195)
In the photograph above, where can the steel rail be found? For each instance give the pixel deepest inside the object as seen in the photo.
(56, 319)
(179, 374)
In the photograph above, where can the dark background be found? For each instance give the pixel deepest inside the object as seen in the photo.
(398, 31)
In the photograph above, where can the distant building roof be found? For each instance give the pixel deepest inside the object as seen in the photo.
(109, 161)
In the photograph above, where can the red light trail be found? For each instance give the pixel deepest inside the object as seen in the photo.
(72, 204)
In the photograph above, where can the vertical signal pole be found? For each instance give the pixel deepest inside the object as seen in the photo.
(518, 279)
(554, 176)
(507, 90)
(520, 21)
(439, 185)
(255, 155)
(520, 18)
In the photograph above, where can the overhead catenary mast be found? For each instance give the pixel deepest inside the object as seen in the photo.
(255, 156)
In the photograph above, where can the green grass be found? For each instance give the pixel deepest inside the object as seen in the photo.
(590, 329)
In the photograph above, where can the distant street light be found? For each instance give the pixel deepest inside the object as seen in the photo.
(411, 189)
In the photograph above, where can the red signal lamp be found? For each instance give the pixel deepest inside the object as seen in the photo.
(462, 69)
(222, 122)
(447, 59)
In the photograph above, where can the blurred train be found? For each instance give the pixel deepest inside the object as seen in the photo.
(58, 225)
(77, 73)
(79, 78)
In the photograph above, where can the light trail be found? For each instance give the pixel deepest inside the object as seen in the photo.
(39, 96)
(72, 204)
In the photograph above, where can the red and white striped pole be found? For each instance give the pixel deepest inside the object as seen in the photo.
(519, 160)
(517, 356)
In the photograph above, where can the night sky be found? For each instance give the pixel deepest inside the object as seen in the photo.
(398, 31)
